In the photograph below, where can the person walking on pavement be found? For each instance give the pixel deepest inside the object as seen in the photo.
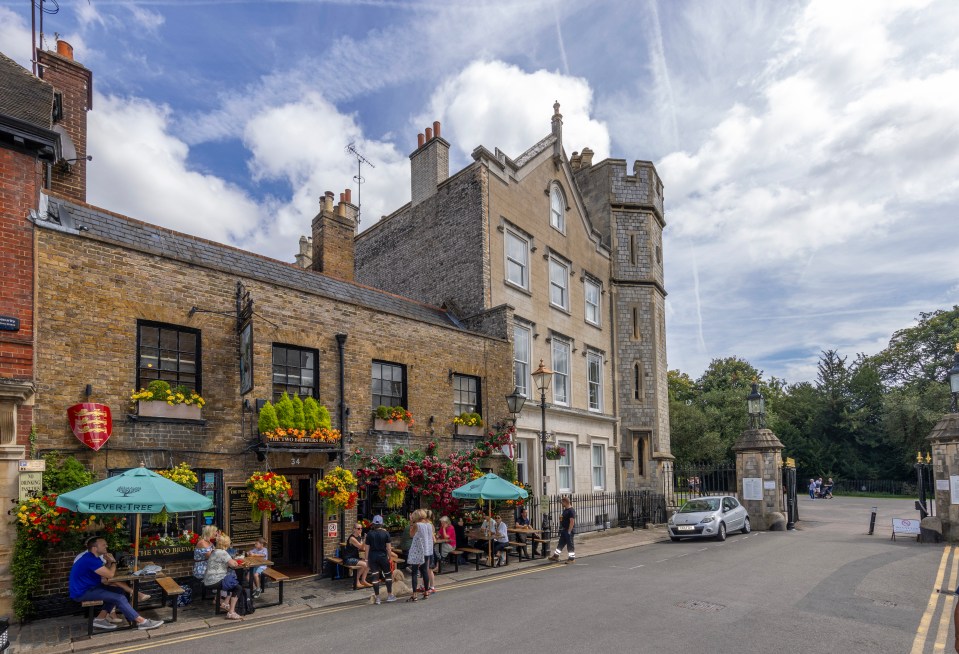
(567, 523)
(812, 489)
(378, 554)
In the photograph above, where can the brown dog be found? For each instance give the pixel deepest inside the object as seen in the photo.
(400, 585)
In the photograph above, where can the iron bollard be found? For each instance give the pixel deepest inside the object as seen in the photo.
(872, 520)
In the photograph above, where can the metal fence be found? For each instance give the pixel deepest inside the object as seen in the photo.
(887, 486)
(681, 483)
(599, 511)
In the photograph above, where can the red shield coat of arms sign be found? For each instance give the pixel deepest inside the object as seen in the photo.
(91, 423)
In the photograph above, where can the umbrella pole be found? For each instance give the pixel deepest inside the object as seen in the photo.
(136, 545)
(489, 521)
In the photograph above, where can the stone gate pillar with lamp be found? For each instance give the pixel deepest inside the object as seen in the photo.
(759, 469)
(944, 440)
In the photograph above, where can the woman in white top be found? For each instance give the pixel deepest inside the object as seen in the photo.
(421, 549)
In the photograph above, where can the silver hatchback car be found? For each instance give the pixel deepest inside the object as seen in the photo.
(708, 517)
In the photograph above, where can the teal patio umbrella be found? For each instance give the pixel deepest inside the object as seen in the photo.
(490, 487)
(138, 491)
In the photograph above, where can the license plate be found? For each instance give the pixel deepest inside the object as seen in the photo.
(685, 528)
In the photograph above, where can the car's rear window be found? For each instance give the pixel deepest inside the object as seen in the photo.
(698, 506)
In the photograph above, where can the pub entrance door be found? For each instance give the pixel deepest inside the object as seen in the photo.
(294, 535)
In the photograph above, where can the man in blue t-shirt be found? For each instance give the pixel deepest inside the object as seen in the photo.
(86, 585)
(567, 523)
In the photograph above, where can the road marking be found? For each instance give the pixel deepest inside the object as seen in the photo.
(638, 566)
(943, 632)
(919, 642)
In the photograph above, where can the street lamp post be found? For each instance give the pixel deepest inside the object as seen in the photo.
(542, 377)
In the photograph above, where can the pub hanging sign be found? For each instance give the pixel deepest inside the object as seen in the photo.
(91, 423)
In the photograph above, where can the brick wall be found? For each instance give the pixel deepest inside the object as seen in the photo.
(75, 82)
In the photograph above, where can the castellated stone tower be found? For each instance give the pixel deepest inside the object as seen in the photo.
(628, 208)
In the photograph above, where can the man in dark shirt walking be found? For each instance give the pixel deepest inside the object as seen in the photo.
(567, 524)
(379, 550)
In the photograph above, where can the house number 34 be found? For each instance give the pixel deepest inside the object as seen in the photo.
(294, 462)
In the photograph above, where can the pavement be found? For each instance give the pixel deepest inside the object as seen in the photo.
(68, 633)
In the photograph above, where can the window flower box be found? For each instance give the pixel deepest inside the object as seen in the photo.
(158, 409)
(466, 430)
(379, 424)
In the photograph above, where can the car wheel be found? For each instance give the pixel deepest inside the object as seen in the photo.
(746, 527)
(675, 539)
(721, 534)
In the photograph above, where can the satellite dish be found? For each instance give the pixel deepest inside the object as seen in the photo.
(68, 151)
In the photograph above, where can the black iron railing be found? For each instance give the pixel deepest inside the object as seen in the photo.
(681, 483)
(599, 511)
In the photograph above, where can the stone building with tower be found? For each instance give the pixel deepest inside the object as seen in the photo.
(99, 304)
(574, 250)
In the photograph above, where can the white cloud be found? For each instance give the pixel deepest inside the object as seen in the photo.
(149, 20)
(494, 104)
(15, 38)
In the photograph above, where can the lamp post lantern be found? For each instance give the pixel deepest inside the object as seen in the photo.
(954, 381)
(515, 402)
(542, 377)
(756, 404)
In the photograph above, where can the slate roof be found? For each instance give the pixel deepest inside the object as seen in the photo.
(545, 142)
(24, 96)
(100, 225)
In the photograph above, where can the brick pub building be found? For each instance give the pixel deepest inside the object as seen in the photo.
(105, 303)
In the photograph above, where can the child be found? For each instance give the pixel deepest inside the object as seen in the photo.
(259, 549)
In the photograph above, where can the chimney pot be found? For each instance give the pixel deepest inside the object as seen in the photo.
(420, 140)
(436, 128)
(429, 133)
(349, 193)
(64, 49)
(342, 197)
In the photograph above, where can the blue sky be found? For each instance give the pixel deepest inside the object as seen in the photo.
(809, 150)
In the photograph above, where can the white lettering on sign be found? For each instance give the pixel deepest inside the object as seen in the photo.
(294, 462)
(332, 529)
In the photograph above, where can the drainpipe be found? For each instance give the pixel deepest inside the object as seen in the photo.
(341, 347)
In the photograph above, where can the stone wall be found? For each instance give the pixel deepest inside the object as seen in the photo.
(434, 251)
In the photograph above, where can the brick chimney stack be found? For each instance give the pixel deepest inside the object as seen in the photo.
(333, 231)
(429, 164)
(74, 85)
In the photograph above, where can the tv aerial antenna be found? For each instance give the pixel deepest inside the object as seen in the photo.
(358, 178)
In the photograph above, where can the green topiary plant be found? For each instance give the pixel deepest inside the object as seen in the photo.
(324, 418)
(159, 388)
(285, 412)
(267, 421)
(311, 414)
(299, 420)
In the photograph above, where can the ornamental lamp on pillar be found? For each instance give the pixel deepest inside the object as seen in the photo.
(756, 405)
(954, 381)
(542, 377)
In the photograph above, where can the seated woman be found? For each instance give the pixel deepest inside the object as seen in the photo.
(500, 539)
(220, 567)
(351, 556)
(445, 532)
(203, 549)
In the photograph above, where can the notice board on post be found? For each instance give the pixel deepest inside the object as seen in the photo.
(239, 516)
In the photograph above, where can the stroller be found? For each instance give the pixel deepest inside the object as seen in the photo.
(825, 493)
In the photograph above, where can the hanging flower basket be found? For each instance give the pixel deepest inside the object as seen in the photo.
(555, 453)
(180, 474)
(338, 490)
(393, 489)
(267, 492)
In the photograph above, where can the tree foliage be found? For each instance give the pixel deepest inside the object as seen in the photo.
(864, 417)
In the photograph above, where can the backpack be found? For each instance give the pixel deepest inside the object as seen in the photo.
(244, 603)
(186, 597)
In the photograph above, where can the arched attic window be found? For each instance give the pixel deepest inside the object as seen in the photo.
(557, 208)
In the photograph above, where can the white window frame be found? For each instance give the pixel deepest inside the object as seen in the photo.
(561, 376)
(594, 359)
(594, 307)
(559, 280)
(521, 367)
(523, 265)
(565, 464)
(520, 460)
(598, 466)
(557, 209)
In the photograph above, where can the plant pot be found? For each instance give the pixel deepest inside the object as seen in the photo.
(155, 409)
(385, 425)
(463, 430)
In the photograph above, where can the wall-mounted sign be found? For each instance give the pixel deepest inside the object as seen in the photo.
(9, 324)
(30, 485)
(246, 358)
(240, 524)
(91, 423)
(332, 529)
(752, 488)
(32, 465)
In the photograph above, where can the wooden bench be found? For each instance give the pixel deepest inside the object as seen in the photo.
(453, 556)
(476, 554)
(354, 569)
(517, 549)
(544, 543)
(169, 588)
(279, 578)
(92, 607)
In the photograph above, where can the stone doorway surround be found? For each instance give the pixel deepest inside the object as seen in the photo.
(13, 394)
